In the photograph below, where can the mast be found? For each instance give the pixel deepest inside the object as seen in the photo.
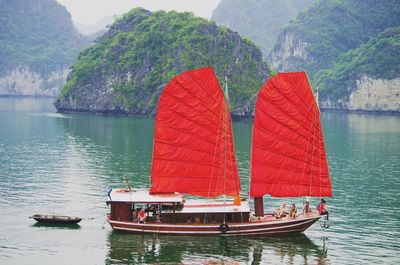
(258, 201)
(224, 119)
(259, 206)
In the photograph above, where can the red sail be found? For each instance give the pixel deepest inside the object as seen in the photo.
(288, 155)
(193, 144)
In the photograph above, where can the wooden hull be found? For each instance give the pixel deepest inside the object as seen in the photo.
(258, 228)
(56, 219)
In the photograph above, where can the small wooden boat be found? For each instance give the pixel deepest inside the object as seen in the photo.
(56, 219)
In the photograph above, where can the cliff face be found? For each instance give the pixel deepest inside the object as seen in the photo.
(23, 82)
(292, 53)
(340, 42)
(38, 43)
(376, 94)
(259, 20)
(127, 68)
(369, 95)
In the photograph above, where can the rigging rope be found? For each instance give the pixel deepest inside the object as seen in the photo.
(224, 143)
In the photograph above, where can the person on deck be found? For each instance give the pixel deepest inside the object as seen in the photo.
(281, 211)
(293, 211)
(323, 209)
(135, 215)
(306, 207)
(141, 216)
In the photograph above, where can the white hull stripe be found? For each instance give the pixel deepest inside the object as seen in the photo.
(208, 232)
(286, 228)
(161, 226)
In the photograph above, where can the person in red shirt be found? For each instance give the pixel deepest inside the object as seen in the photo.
(141, 216)
(323, 209)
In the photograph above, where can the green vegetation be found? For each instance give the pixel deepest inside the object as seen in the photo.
(142, 51)
(341, 39)
(38, 34)
(379, 58)
(261, 20)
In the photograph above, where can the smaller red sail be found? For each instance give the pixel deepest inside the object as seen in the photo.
(288, 155)
(193, 144)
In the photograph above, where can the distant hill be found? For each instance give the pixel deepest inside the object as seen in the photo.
(127, 68)
(259, 20)
(331, 33)
(95, 27)
(38, 43)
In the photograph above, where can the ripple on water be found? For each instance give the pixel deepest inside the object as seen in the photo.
(67, 163)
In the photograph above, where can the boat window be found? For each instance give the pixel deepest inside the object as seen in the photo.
(229, 217)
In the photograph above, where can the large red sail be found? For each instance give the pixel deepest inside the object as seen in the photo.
(193, 144)
(288, 155)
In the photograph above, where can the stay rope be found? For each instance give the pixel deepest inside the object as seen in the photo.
(220, 129)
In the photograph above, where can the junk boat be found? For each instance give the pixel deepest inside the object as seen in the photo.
(56, 219)
(193, 155)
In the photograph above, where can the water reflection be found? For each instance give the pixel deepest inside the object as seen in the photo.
(26, 104)
(56, 226)
(148, 249)
(122, 144)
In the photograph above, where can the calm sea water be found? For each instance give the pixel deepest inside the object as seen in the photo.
(59, 163)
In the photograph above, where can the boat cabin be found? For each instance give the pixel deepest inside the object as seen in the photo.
(174, 208)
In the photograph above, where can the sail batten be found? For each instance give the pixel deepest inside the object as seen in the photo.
(282, 115)
(189, 149)
(180, 131)
(288, 154)
(183, 102)
(193, 144)
(292, 142)
(294, 88)
(287, 159)
(294, 126)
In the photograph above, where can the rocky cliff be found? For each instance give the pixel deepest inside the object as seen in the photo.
(292, 53)
(339, 43)
(375, 94)
(24, 82)
(369, 95)
(259, 20)
(38, 43)
(126, 70)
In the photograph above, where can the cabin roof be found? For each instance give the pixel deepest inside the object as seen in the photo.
(189, 206)
(143, 196)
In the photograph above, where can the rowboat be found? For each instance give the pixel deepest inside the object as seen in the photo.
(56, 219)
(195, 185)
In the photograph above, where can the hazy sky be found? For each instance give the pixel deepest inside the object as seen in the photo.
(90, 11)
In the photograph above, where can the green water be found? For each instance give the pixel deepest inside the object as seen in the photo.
(52, 162)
